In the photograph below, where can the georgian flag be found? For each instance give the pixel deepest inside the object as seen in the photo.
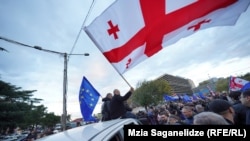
(130, 31)
(236, 84)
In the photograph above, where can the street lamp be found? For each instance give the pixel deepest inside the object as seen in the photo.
(65, 55)
(64, 115)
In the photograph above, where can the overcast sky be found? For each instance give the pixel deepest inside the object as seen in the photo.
(55, 25)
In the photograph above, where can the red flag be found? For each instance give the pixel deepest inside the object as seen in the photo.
(130, 31)
(236, 83)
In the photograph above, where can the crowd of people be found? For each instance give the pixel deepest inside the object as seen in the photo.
(223, 108)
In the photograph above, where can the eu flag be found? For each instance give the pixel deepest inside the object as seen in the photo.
(88, 98)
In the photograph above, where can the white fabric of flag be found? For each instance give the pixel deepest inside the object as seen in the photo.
(236, 83)
(130, 31)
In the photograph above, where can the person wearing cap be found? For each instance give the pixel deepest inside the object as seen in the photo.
(245, 100)
(223, 108)
(209, 118)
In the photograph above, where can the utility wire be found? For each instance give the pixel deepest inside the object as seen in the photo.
(73, 47)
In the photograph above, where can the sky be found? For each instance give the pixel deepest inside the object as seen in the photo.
(57, 26)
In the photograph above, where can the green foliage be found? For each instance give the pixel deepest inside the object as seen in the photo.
(150, 92)
(49, 120)
(223, 83)
(17, 109)
(204, 82)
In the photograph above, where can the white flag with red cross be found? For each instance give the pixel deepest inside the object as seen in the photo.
(130, 31)
(236, 83)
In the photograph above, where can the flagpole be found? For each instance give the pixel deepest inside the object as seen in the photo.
(229, 84)
(92, 5)
(110, 63)
(125, 80)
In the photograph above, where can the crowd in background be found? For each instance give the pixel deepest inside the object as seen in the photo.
(223, 108)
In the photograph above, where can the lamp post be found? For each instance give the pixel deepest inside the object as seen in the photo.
(65, 80)
(64, 115)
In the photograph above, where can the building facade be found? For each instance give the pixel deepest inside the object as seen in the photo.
(178, 84)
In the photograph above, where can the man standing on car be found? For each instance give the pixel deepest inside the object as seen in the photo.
(105, 109)
(117, 107)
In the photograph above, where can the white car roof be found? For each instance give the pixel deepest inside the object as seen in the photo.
(91, 132)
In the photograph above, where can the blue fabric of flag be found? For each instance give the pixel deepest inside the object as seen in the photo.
(195, 97)
(170, 98)
(88, 98)
(186, 98)
(245, 87)
(201, 95)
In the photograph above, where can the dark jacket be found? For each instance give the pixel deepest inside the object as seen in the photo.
(106, 109)
(117, 107)
(240, 113)
(248, 116)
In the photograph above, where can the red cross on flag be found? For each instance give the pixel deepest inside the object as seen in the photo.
(236, 83)
(130, 31)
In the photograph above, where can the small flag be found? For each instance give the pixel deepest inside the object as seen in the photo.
(88, 98)
(201, 95)
(245, 87)
(186, 98)
(236, 84)
(170, 98)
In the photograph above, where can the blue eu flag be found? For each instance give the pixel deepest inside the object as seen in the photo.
(88, 98)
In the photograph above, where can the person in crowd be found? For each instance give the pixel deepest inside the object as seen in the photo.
(188, 113)
(239, 108)
(163, 118)
(48, 132)
(32, 135)
(199, 108)
(245, 100)
(117, 107)
(209, 118)
(152, 118)
(223, 108)
(127, 107)
(105, 109)
(174, 120)
(224, 95)
(162, 110)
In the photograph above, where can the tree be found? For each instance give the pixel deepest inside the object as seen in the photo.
(222, 84)
(17, 108)
(13, 105)
(150, 92)
(50, 120)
